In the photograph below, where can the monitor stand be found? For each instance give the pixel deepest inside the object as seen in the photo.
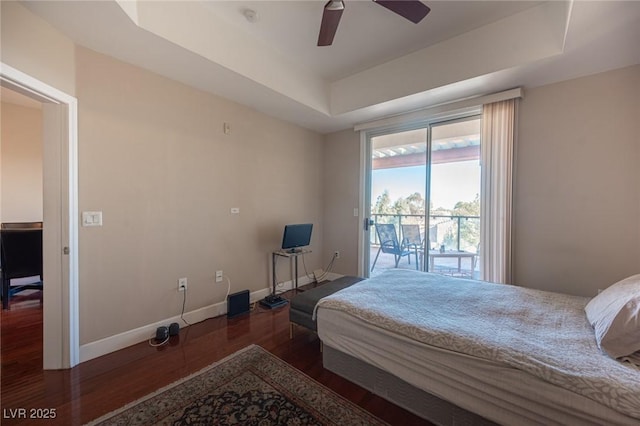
(273, 301)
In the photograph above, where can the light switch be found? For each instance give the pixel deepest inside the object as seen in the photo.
(91, 218)
(235, 210)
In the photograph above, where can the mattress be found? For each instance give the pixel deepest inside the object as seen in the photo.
(490, 388)
(497, 392)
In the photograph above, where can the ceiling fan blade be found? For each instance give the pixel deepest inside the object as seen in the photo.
(414, 11)
(330, 20)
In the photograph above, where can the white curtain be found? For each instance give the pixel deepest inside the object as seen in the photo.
(497, 148)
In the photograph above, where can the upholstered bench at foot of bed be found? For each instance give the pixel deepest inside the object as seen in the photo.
(302, 304)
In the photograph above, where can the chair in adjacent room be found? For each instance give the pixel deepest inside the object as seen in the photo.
(389, 243)
(21, 252)
(412, 240)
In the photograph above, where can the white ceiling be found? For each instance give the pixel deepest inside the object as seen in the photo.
(379, 64)
(368, 34)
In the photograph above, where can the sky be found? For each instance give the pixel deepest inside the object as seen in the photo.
(451, 182)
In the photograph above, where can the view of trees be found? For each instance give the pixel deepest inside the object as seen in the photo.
(414, 204)
(469, 228)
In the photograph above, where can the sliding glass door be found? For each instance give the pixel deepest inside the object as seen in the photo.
(454, 214)
(398, 177)
(423, 199)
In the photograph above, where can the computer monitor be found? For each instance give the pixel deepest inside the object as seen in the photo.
(296, 236)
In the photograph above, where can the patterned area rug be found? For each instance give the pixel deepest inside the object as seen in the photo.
(250, 387)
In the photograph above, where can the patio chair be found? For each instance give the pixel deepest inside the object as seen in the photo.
(412, 241)
(389, 243)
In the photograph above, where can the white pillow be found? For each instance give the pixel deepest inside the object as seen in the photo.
(615, 317)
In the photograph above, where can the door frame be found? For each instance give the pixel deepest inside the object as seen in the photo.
(61, 343)
(366, 134)
(364, 242)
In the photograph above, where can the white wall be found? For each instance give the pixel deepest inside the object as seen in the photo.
(341, 196)
(32, 45)
(154, 159)
(21, 170)
(577, 193)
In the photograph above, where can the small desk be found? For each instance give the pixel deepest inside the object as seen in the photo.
(273, 300)
(288, 254)
(451, 254)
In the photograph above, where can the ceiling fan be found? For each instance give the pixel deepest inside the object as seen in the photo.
(413, 10)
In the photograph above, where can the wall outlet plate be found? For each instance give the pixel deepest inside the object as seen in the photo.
(218, 276)
(91, 218)
(182, 284)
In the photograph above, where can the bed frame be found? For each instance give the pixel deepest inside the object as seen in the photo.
(399, 392)
(445, 386)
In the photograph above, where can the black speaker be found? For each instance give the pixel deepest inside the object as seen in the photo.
(238, 304)
(162, 333)
(174, 329)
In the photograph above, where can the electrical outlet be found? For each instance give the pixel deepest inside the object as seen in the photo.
(336, 254)
(182, 284)
(218, 276)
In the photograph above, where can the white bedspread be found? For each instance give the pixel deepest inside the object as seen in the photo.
(545, 334)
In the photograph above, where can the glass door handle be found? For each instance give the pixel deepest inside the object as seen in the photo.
(368, 223)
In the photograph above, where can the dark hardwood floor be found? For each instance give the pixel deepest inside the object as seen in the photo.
(101, 385)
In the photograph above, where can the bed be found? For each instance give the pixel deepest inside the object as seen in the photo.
(458, 351)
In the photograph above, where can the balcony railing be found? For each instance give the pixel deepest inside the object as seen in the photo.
(454, 232)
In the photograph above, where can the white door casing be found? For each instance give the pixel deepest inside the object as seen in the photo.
(60, 236)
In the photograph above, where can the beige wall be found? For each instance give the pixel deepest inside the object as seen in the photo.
(341, 195)
(154, 159)
(577, 199)
(33, 46)
(21, 170)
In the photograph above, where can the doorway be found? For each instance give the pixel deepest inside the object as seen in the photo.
(21, 194)
(60, 217)
(423, 198)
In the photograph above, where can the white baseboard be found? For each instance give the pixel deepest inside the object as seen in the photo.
(128, 338)
(289, 285)
(332, 276)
